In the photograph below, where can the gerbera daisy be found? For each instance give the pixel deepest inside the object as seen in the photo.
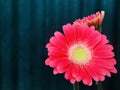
(94, 19)
(82, 53)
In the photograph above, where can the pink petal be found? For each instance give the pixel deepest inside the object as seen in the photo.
(113, 70)
(80, 75)
(83, 32)
(48, 45)
(47, 61)
(58, 43)
(86, 78)
(100, 70)
(75, 71)
(72, 80)
(55, 71)
(68, 72)
(102, 78)
(53, 49)
(61, 67)
(93, 39)
(50, 62)
(61, 39)
(107, 73)
(58, 55)
(103, 54)
(60, 36)
(103, 63)
(91, 70)
(68, 33)
(103, 40)
(102, 48)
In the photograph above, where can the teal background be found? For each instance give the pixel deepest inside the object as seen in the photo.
(27, 25)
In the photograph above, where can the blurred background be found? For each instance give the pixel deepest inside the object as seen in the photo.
(27, 25)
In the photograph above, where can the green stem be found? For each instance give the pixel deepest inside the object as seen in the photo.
(99, 28)
(99, 84)
(76, 86)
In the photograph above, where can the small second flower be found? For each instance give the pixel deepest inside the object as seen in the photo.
(92, 20)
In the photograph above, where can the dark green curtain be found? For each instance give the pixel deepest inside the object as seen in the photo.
(27, 25)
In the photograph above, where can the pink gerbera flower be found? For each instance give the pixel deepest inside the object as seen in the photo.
(82, 53)
(94, 19)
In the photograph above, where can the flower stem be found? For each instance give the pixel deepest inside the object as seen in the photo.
(99, 84)
(99, 28)
(76, 86)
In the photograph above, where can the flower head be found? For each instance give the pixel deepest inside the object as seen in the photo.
(92, 20)
(82, 53)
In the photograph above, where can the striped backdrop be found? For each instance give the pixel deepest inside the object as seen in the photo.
(27, 25)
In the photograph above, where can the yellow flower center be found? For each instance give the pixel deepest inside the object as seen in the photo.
(79, 54)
